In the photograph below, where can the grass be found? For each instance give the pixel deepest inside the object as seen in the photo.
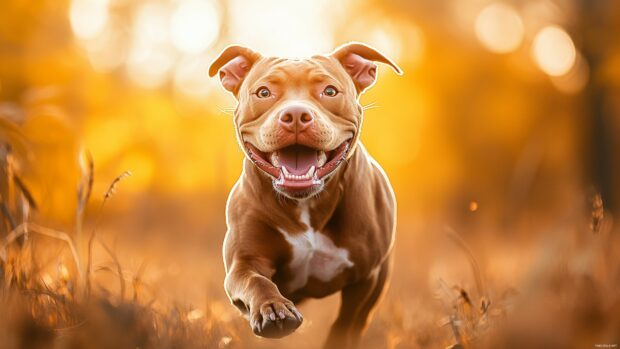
(43, 310)
(563, 292)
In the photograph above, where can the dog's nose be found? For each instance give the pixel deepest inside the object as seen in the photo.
(296, 118)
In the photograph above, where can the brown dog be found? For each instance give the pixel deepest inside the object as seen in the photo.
(312, 213)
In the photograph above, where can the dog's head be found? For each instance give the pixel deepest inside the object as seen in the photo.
(298, 119)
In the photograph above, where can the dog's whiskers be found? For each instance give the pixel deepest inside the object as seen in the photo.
(226, 110)
(370, 106)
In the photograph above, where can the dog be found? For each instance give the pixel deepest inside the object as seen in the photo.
(312, 213)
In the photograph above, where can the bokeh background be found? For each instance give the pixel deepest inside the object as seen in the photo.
(503, 132)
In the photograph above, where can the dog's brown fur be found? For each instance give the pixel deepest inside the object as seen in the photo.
(352, 213)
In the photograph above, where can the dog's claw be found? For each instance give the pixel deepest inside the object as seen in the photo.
(275, 319)
(297, 314)
(256, 328)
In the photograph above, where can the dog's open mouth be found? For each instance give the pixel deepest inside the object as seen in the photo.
(298, 167)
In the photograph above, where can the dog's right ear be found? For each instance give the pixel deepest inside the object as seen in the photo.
(233, 64)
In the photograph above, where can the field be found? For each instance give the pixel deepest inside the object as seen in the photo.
(117, 154)
(165, 291)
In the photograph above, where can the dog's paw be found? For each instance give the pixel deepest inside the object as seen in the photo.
(275, 318)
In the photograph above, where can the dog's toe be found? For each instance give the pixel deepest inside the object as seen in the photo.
(276, 319)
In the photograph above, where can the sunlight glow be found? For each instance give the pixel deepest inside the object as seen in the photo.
(473, 206)
(386, 42)
(194, 26)
(537, 14)
(499, 28)
(150, 24)
(399, 39)
(575, 79)
(88, 17)
(285, 28)
(554, 51)
(151, 56)
(108, 50)
(149, 67)
(189, 77)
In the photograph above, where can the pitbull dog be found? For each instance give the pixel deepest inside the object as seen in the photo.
(312, 213)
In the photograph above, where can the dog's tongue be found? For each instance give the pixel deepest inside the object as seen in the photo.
(298, 159)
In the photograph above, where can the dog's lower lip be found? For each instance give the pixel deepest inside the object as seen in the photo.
(268, 163)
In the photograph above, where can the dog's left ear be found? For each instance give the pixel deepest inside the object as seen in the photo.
(233, 64)
(358, 61)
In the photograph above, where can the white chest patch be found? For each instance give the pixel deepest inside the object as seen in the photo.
(314, 254)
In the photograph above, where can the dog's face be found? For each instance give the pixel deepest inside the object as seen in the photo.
(298, 119)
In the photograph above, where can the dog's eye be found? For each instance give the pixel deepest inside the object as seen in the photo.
(263, 92)
(330, 91)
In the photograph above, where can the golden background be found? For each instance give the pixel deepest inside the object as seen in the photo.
(503, 130)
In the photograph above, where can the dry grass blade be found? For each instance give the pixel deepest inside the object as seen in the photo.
(111, 190)
(34, 228)
(448, 302)
(456, 238)
(7, 214)
(12, 134)
(119, 269)
(598, 213)
(87, 167)
(25, 191)
(70, 328)
(454, 321)
(137, 280)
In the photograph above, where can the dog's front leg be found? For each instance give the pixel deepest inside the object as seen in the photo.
(249, 287)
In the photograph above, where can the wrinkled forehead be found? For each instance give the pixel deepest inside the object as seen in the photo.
(295, 71)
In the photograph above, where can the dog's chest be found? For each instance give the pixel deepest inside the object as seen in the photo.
(314, 255)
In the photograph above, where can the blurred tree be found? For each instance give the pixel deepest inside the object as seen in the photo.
(595, 24)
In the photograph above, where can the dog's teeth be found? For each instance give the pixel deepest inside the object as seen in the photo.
(274, 159)
(280, 180)
(308, 175)
(322, 158)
